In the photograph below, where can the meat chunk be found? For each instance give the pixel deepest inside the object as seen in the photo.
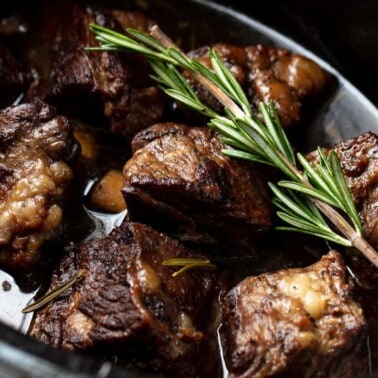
(127, 302)
(37, 150)
(359, 160)
(133, 19)
(268, 74)
(179, 180)
(118, 84)
(13, 76)
(297, 322)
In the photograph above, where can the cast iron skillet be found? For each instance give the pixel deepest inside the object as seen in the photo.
(343, 113)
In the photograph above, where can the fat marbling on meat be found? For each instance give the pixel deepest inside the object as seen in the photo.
(127, 303)
(37, 150)
(296, 322)
(178, 179)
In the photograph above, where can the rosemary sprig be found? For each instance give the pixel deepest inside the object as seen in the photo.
(311, 192)
(189, 264)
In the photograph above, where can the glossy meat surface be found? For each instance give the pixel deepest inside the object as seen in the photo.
(298, 322)
(113, 85)
(127, 302)
(359, 160)
(178, 178)
(37, 150)
(268, 74)
(127, 309)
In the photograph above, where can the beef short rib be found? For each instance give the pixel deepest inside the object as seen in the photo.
(179, 180)
(37, 152)
(128, 303)
(297, 322)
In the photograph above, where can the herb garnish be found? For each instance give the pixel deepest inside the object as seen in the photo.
(188, 264)
(312, 192)
(53, 294)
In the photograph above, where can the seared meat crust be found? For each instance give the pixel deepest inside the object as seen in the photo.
(296, 322)
(127, 301)
(133, 19)
(267, 74)
(82, 81)
(179, 179)
(359, 160)
(37, 150)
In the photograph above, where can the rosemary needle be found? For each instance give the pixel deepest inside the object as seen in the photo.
(188, 264)
(51, 295)
(311, 192)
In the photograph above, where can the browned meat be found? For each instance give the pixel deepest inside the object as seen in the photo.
(36, 152)
(127, 301)
(359, 160)
(135, 20)
(13, 76)
(179, 180)
(118, 84)
(297, 322)
(268, 74)
(232, 56)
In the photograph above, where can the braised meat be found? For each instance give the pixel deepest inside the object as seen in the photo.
(95, 201)
(134, 20)
(359, 160)
(13, 76)
(268, 74)
(127, 301)
(37, 150)
(179, 180)
(296, 322)
(82, 81)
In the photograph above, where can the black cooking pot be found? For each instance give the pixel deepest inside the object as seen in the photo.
(21, 356)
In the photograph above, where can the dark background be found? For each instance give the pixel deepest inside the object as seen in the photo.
(344, 33)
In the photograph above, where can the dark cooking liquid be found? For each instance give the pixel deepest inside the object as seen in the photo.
(277, 252)
(18, 292)
(280, 251)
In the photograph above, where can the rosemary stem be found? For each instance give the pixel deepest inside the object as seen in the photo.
(334, 216)
(264, 138)
(222, 97)
(366, 249)
(160, 36)
(348, 231)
